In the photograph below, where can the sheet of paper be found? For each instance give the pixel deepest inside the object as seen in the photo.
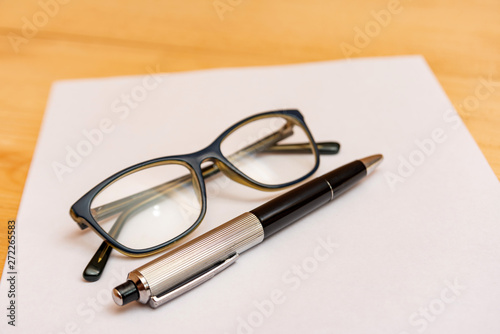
(412, 249)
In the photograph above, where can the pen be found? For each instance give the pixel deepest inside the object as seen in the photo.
(200, 259)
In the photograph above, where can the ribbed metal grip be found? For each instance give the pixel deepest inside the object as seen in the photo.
(196, 256)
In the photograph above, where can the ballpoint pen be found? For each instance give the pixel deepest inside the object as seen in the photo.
(200, 259)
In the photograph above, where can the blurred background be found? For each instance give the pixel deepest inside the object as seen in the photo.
(46, 40)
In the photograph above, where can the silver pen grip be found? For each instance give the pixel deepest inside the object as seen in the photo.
(196, 261)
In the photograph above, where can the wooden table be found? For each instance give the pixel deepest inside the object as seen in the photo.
(78, 39)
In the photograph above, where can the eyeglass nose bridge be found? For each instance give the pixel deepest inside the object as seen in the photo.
(230, 173)
(218, 163)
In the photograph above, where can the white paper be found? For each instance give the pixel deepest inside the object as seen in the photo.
(414, 248)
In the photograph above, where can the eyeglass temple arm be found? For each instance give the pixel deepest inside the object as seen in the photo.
(96, 265)
(304, 148)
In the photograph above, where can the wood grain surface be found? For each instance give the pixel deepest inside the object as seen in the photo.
(46, 40)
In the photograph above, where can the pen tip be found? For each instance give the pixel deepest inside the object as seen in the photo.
(372, 162)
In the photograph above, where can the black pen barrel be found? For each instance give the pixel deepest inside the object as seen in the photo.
(343, 178)
(291, 206)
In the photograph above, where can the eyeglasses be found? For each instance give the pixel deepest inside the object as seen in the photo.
(147, 207)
